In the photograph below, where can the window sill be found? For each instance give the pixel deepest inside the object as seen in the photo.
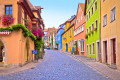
(112, 20)
(104, 25)
(82, 51)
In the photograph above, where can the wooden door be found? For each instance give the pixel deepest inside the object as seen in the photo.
(106, 51)
(114, 52)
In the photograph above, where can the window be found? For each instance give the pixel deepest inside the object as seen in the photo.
(82, 46)
(89, 14)
(90, 49)
(79, 43)
(89, 29)
(93, 48)
(70, 32)
(8, 9)
(88, 2)
(82, 27)
(77, 22)
(87, 49)
(96, 23)
(72, 42)
(113, 14)
(92, 11)
(92, 26)
(79, 19)
(95, 5)
(104, 20)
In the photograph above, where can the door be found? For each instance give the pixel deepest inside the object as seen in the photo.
(106, 51)
(114, 52)
(1, 57)
(66, 47)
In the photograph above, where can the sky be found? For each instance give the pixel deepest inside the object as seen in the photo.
(56, 12)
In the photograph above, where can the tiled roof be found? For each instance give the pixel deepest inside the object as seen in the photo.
(33, 7)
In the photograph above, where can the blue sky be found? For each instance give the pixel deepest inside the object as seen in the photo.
(56, 12)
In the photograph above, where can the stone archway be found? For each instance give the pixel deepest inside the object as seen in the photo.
(27, 51)
(3, 48)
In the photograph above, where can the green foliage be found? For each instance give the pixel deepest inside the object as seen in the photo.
(86, 36)
(6, 29)
(38, 44)
(76, 48)
(52, 40)
(17, 27)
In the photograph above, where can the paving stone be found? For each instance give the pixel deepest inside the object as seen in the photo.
(57, 66)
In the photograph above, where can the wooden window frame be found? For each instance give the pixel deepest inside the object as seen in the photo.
(9, 8)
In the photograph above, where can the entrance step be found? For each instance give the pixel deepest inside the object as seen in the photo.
(1, 64)
(113, 66)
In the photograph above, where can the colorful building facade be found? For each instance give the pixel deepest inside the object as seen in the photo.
(110, 34)
(15, 48)
(59, 36)
(92, 14)
(67, 36)
(80, 30)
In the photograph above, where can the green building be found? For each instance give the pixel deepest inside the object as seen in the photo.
(92, 14)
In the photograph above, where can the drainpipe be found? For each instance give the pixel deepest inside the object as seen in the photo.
(100, 32)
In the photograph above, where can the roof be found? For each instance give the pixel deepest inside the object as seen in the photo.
(69, 20)
(82, 5)
(71, 25)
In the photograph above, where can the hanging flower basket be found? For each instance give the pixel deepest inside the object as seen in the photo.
(7, 20)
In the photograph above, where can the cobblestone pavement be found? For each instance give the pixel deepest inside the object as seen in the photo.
(57, 66)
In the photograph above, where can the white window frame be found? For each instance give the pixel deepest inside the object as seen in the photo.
(112, 18)
(82, 46)
(79, 19)
(104, 20)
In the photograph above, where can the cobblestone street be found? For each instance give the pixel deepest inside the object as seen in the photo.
(57, 66)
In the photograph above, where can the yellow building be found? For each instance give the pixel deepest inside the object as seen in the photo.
(67, 36)
(110, 32)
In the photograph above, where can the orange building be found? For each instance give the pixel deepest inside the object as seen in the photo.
(15, 49)
(79, 32)
(110, 32)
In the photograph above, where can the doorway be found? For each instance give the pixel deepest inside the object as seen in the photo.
(98, 52)
(2, 52)
(105, 50)
(27, 55)
(113, 51)
(66, 47)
